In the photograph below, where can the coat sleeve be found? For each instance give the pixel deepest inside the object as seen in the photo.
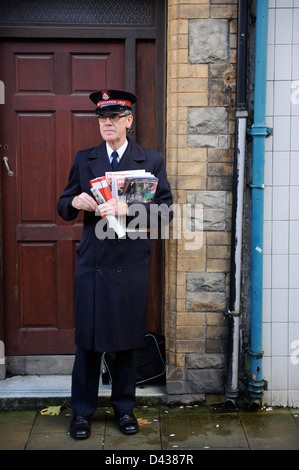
(158, 212)
(73, 188)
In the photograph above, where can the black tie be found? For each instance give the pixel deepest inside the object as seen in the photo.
(114, 160)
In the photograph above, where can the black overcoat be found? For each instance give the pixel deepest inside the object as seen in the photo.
(112, 275)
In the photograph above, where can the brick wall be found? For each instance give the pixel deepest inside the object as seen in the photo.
(201, 58)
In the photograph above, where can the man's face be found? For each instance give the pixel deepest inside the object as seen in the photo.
(113, 128)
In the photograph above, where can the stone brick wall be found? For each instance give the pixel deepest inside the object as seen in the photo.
(201, 58)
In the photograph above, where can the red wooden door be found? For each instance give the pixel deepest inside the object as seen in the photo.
(46, 118)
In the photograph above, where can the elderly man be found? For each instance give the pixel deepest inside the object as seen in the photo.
(112, 274)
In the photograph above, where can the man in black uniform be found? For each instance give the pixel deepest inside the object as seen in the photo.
(112, 274)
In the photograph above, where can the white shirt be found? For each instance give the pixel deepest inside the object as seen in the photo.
(120, 151)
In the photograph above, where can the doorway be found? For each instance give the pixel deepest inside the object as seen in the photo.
(46, 118)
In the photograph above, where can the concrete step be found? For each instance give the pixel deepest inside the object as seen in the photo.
(35, 391)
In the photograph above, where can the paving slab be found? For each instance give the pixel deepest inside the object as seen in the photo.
(198, 430)
(295, 413)
(276, 429)
(15, 428)
(52, 433)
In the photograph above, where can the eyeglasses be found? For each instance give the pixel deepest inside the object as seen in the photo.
(111, 117)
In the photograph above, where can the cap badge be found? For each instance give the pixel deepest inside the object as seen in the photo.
(105, 95)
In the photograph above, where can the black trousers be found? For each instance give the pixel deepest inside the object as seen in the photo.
(85, 381)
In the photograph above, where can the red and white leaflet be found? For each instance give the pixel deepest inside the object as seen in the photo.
(101, 184)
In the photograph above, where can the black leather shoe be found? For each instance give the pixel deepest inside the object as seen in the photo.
(127, 423)
(80, 427)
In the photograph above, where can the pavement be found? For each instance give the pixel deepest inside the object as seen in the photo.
(176, 431)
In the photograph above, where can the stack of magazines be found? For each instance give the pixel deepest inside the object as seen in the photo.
(132, 186)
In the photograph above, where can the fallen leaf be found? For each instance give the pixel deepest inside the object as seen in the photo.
(51, 410)
(142, 421)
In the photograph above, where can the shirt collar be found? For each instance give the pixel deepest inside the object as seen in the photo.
(120, 151)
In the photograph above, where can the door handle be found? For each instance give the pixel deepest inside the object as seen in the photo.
(9, 172)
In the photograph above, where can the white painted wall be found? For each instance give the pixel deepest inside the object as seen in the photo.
(281, 213)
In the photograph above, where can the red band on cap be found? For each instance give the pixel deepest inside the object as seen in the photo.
(114, 102)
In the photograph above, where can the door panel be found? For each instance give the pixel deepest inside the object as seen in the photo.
(37, 181)
(35, 73)
(46, 119)
(36, 261)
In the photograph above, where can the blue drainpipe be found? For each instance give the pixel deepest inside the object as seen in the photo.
(259, 131)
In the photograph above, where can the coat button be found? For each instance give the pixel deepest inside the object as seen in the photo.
(119, 270)
(99, 268)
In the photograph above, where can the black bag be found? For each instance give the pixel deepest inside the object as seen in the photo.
(150, 361)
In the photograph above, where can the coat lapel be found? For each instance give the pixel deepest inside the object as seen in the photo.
(133, 158)
(99, 161)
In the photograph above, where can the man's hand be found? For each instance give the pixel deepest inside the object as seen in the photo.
(84, 202)
(113, 207)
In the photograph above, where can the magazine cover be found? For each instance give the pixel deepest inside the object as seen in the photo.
(140, 189)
